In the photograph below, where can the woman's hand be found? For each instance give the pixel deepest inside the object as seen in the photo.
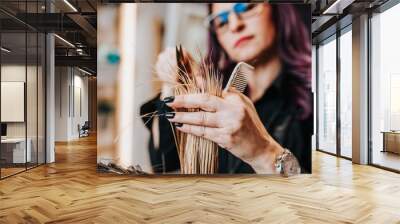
(232, 122)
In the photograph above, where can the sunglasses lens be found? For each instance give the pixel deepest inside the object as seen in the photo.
(220, 20)
(244, 10)
(240, 8)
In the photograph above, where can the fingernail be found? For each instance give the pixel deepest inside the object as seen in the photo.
(169, 115)
(169, 99)
(178, 124)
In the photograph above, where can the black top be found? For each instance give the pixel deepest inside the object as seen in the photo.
(278, 113)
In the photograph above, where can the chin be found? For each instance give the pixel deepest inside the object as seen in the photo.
(248, 53)
(246, 57)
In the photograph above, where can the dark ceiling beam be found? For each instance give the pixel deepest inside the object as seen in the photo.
(16, 18)
(84, 24)
(93, 72)
(89, 14)
(81, 61)
(91, 5)
(321, 23)
(30, 59)
(70, 23)
(11, 25)
(86, 51)
(331, 29)
(48, 22)
(337, 7)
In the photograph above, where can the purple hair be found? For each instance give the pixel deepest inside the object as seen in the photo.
(293, 47)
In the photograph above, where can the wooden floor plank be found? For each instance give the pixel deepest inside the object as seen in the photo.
(70, 191)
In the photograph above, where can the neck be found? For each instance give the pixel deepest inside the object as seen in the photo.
(262, 78)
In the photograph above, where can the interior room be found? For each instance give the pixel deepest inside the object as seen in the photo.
(22, 98)
(73, 72)
(25, 64)
(385, 88)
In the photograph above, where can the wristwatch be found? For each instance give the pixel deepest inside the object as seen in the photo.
(286, 164)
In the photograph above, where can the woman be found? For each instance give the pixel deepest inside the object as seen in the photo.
(273, 119)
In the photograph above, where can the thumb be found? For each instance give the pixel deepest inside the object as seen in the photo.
(230, 90)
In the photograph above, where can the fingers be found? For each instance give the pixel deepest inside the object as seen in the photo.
(200, 131)
(232, 92)
(233, 95)
(200, 118)
(200, 101)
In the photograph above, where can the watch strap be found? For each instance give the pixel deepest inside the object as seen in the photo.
(286, 164)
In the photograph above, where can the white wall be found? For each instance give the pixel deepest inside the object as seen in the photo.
(33, 126)
(61, 103)
(79, 110)
(12, 73)
(69, 84)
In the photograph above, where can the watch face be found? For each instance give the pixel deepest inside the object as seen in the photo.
(290, 166)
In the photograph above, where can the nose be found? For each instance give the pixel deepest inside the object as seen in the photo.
(236, 23)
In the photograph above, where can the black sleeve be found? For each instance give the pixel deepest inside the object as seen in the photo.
(298, 142)
(165, 158)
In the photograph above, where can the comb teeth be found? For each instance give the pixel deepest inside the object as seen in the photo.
(238, 78)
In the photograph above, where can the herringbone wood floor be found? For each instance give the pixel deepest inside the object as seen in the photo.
(70, 191)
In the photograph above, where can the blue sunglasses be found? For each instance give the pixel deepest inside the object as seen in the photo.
(221, 19)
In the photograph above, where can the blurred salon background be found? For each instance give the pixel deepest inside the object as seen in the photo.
(137, 33)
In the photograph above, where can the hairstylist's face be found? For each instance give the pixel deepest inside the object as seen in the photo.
(246, 38)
